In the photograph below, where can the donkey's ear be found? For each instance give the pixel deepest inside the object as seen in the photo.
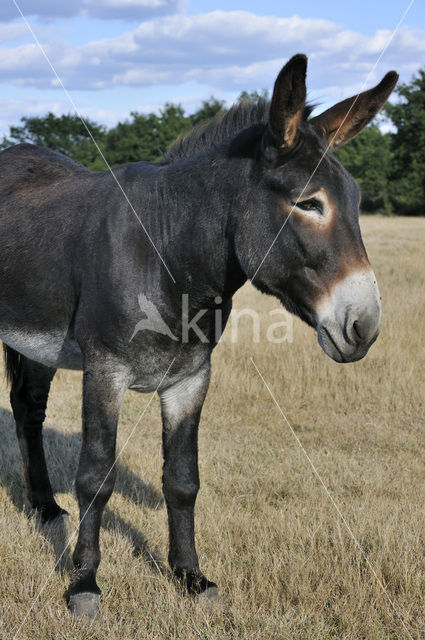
(346, 119)
(288, 101)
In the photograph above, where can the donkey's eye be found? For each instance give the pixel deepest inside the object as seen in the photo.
(312, 205)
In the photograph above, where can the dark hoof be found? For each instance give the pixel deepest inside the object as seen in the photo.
(84, 605)
(195, 582)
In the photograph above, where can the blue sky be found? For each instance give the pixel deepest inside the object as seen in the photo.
(118, 56)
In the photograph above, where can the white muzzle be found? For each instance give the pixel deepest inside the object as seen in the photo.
(348, 317)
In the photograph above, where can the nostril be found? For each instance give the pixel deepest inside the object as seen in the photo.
(357, 329)
(365, 330)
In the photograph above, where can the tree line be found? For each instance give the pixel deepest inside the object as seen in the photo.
(389, 166)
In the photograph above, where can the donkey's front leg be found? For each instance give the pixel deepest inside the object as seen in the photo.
(181, 406)
(103, 390)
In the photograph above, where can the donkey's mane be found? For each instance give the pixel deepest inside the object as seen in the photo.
(225, 125)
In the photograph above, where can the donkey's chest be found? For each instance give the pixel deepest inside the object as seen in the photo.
(53, 349)
(167, 367)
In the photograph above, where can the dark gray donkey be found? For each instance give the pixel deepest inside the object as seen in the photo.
(255, 194)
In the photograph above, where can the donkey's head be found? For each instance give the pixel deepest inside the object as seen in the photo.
(301, 239)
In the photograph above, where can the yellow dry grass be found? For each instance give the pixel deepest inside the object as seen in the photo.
(267, 532)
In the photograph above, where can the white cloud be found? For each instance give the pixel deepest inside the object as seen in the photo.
(12, 31)
(105, 9)
(225, 50)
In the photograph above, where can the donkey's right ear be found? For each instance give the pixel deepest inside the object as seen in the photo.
(288, 102)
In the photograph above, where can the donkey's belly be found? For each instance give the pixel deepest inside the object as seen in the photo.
(51, 349)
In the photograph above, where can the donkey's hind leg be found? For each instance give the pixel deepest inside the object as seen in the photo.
(28, 397)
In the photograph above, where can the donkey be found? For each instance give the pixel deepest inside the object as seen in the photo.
(255, 194)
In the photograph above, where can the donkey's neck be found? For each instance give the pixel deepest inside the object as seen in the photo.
(201, 195)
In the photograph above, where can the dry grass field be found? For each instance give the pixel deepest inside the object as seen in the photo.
(267, 531)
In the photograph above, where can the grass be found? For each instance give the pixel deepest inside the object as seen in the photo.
(267, 532)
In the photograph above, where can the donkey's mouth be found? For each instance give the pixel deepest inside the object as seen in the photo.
(339, 349)
(329, 345)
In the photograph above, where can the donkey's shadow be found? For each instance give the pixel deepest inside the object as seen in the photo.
(62, 453)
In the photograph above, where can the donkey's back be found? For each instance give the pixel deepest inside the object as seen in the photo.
(26, 167)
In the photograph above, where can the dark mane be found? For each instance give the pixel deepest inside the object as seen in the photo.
(225, 125)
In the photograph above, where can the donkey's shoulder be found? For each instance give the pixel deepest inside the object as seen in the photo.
(31, 164)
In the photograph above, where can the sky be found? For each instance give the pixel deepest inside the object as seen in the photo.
(119, 56)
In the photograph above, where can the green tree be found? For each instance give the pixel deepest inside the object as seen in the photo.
(368, 158)
(407, 176)
(173, 123)
(254, 96)
(208, 110)
(133, 140)
(66, 134)
(146, 136)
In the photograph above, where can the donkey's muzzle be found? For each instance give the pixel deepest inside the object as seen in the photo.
(348, 317)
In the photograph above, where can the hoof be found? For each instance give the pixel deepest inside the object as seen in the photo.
(84, 605)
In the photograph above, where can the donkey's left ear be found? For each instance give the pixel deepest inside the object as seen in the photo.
(288, 102)
(346, 119)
